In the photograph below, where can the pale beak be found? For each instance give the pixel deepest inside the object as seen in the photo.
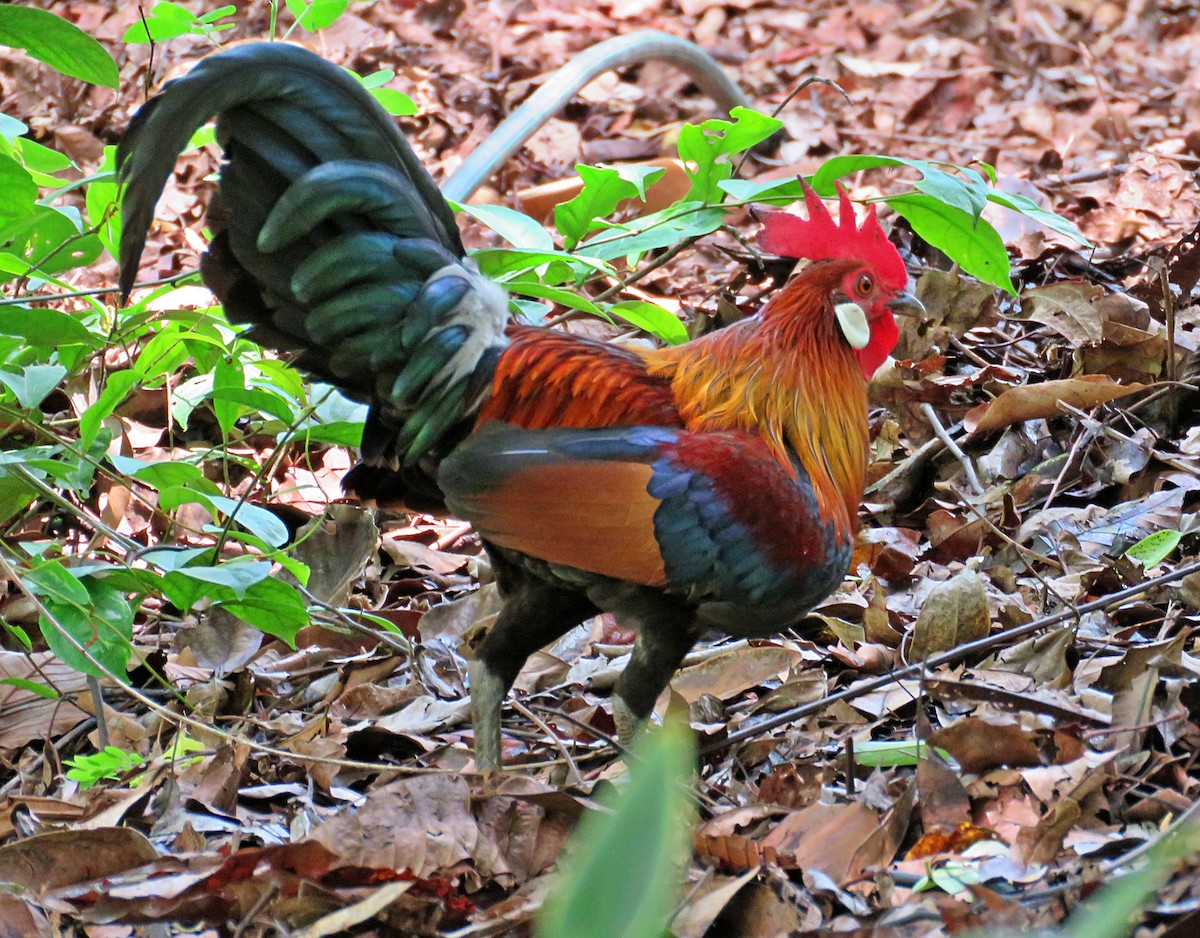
(907, 305)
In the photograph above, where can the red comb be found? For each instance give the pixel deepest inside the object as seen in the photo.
(820, 238)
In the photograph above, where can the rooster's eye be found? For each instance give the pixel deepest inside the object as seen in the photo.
(864, 285)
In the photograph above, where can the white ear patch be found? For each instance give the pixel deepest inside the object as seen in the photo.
(853, 323)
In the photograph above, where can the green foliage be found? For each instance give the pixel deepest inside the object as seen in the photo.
(168, 20)
(623, 871)
(110, 763)
(113, 763)
(944, 207)
(312, 15)
(61, 45)
(888, 753)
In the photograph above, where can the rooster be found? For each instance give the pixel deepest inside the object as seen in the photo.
(711, 485)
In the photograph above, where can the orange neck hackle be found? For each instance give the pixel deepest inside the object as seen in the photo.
(787, 374)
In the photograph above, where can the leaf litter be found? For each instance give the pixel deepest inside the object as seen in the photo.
(1023, 449)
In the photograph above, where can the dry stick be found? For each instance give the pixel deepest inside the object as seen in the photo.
(948, 657)
(1168, 304)
(558, 742)
(940, 432)
(1114, 434)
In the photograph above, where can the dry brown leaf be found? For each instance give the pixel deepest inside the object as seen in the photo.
(727, 675)
(1069, 308)
(24, 715)
(943, 801)
(1040, 845)
(1031, 401)
(64, 858)
(826, 837)
(954, 613)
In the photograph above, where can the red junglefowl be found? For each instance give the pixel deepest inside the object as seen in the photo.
(714, 484)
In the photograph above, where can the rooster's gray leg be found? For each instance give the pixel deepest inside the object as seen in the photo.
(534, 614)
(661, 646)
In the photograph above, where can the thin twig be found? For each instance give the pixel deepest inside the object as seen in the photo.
(947, 657)
(940, 432)
(555, 739)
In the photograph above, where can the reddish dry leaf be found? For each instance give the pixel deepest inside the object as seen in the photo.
(978, 745)
(827, 837)
(952, 840)
(891, 553)
(1031, 401)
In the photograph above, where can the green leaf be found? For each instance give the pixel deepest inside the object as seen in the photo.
(653, 319)
(47, 328)
(42, 159)
(707, 146)
(157, 475)
(1154, 548)
(258, 521)
(103, 207)
(61, 45)
(396, 103)
(228, 375)
(256, 399)
(165, 21)
(173, 558)
(51, 239)
(213, 15)
(237, 575)
(517, 228)
(40, 690)
(568, 298)
(888, 753)
(659, 230)
(972, 243)
(772, 191)
(312, 15)
(623, 871)
(115, 391)
(604, 188)
(103, 625)
(52, 581)
(11, 129)
(18, 191)
(1030, 209)
(273, 606)
(34, 383)
(967, 196)
(16, 495)
(556, 266)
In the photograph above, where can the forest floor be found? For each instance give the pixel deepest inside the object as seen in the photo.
(1021, 445)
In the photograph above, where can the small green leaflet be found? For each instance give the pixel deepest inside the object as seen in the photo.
(888, 753)
(1154, 548)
